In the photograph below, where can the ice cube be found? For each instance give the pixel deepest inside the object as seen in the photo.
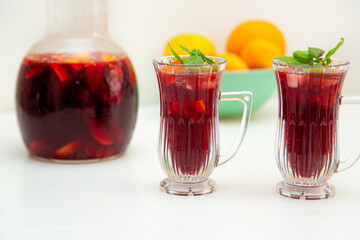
(115, 81)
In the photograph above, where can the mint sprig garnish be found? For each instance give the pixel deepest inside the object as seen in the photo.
(311, 57)
(316, 52)
(196, 57)
(175, 54)
(332, 51)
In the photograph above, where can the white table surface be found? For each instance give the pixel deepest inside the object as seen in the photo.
(121, 199)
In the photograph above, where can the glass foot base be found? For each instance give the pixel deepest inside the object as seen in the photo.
(72, 161)
(187, 189)
(308, 193)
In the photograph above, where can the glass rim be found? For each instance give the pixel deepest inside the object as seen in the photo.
(341, 62)
(158, 61)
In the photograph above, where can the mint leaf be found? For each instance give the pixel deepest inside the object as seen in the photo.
(327, 61)
(195, 52)
(187, 50)
(291, 61)
(176, 55)
(316, 52)
(302, 56)
(208, 60)
(194, 59)
(332, 51)
(312, 57)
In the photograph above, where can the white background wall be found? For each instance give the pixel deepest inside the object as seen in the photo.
(142, 27)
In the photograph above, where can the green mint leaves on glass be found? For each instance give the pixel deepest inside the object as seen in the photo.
(196, 57)
(311, 57)
(176, 55)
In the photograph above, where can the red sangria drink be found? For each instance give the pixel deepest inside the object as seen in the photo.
(76, 106)
(188, 144)
(189, 111)
(309, 90)
(309, 114)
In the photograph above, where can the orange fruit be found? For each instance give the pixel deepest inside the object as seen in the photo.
(107, 57)
(259, 53)
(190, 41)
(75, 58)
(248, 31)
(234, 62)
(68, 149)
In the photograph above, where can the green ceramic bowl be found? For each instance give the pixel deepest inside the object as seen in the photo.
(260, 82)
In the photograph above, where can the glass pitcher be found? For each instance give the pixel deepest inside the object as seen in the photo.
(188, 145)
(76, 93)
(307, 133)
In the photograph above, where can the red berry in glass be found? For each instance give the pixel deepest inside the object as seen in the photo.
(74, 107)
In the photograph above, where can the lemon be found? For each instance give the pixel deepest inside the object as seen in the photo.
(234, 62)
(259, 53)
(190, 41)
